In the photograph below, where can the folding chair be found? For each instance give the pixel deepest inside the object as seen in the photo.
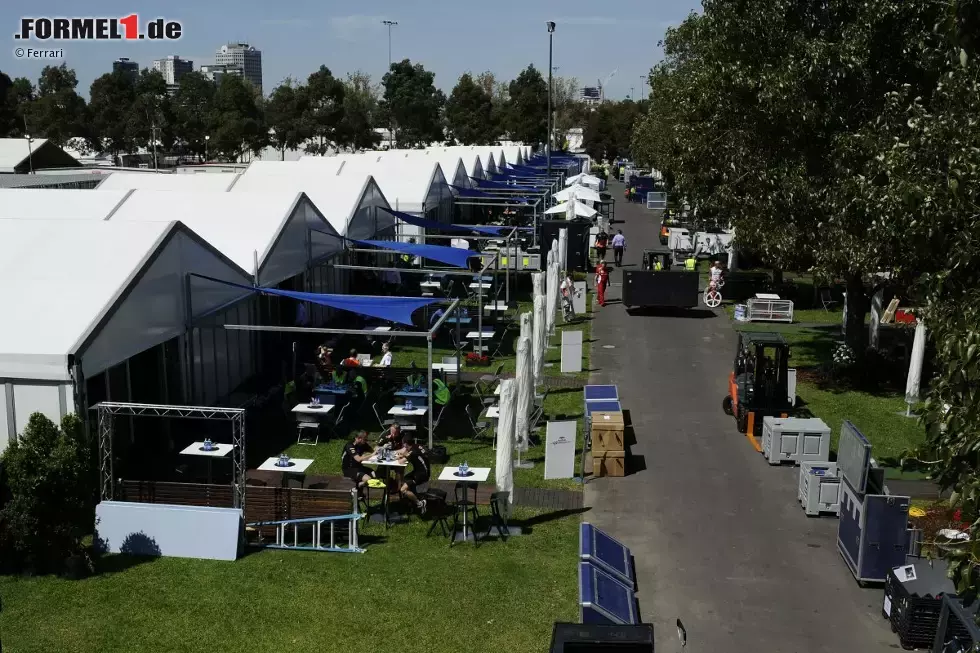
(438, 418)
(479, 428)
(538, 411)
(826, 299)
(489, 381)
(306, 426)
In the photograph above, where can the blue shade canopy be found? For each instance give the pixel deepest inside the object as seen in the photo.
(525, 170)
(430, 224)
(392, 309)
(454, 256)
(470, 192)
(483, 183)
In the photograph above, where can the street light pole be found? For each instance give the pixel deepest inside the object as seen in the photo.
(551, 32)
(391, 130)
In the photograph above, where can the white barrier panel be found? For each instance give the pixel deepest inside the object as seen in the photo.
(160, 529)
(571, 351)
(559, 450)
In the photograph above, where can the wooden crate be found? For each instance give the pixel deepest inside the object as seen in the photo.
(609, 463)
(607, 432)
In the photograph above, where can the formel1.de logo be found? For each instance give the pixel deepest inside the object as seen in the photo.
(127, 28)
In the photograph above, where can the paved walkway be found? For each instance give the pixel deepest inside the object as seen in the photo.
(719, 538)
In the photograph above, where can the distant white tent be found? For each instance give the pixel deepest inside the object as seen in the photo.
(504, 472)
(581, 210)
(581, 193)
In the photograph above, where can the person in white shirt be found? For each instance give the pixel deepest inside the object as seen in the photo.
(385, 355)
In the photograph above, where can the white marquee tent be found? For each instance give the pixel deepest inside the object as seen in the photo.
(167, 181)
(89, 295)
(37, 203)
(470, 158)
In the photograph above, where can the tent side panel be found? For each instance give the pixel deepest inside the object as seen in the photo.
(369, 221)
(21, 399)
(289, 255)
(154, 309)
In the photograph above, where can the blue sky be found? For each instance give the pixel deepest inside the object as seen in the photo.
(448, 37)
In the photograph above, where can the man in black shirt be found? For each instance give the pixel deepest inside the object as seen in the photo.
(418, 458)
(351, 461)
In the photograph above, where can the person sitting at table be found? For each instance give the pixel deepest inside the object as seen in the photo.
(324, 360)
(392, 437)
(416, 456)
(357, 381)
(338, 377)
(352, 360)
(414, 378)
(440, 391)
(385, 355)
(352, 460)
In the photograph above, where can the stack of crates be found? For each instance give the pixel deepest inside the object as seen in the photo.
(913, 606)
(608, 444)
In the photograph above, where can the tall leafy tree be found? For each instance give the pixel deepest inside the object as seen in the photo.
(284, 116)
(111, 100)
(356, 131)
(609, 129)
(193, 112)
(499, 99)
(413, 104)
(237, 119)
(151, 118)
(57, 112)
(469, 113)
(527, 112)
(323, 104)
(15, 98)
(567, 110)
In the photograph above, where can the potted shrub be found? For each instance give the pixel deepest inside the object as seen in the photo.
(477, 359)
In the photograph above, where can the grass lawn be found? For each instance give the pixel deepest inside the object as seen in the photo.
(455, 433)
(879, 415)
(431, 599)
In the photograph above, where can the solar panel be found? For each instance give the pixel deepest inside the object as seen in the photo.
(607, 553)
(602, 407)
(604, 599)
(601, 393)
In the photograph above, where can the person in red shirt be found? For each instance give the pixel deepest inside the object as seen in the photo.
(601, 281)
(352, 360)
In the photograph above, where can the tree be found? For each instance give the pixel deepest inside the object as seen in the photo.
(323, 104)
(499, 99)
(52, 494)
(526, 118)
(568, 111)
(413, 104)
(15, 98)
(57, 112)
(469, 113)
(239, 125)
(609, 129)
(284, 116)
(763, 135)
(193, 111)
(151, 118)
(356, 131)
(111, 99)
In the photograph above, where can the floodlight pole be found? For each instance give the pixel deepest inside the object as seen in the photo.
(551, 32)
(391, 129)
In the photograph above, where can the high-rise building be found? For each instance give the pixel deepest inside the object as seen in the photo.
(591, 95)
(129, 68)
(215, 72)
(243, 57)
(173, 68)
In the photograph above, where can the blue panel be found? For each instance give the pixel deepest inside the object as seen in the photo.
(604, 599)
(607, 553)
(602, 407)
(849, 527)
(601, 393)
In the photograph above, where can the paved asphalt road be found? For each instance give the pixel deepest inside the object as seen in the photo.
(719, 538)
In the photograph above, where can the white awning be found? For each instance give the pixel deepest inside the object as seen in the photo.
(581, 210)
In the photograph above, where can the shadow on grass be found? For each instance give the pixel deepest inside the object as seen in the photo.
(528, 524)
(668, 311)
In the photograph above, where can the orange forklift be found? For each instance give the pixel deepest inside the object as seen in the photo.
(758, 385)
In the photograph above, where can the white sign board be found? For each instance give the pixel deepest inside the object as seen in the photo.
(578, 299)
(571, 351)
(559, 449)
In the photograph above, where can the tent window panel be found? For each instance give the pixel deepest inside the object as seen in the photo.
(222, 363)
(207, 358)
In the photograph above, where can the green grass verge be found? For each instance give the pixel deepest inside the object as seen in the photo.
(428, 598)
(880, 415)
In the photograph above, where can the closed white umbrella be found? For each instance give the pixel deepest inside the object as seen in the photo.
(525, 393)
(504, 471)
(570, 208)
(537, 282)
(913, 383)
(583, 194)
(552, 288)
(538, 342)
(562, 250)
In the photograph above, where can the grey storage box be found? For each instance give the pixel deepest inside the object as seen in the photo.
(819, 489)
(795, 440)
